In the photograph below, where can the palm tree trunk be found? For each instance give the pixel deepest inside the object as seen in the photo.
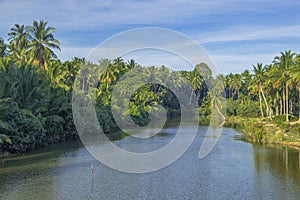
(157, 92)
(276, 106)
(219, 111)
(287, 102)
(299, 103)
(291, 106)
(191, 97)
(283, 101)
(260, 105)
(267, 106)
(280, 104)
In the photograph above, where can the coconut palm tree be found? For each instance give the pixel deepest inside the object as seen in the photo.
(42, 43)
(285, 63)
(246, 78)
(19, 44)
(196, 81)
(108, 72)
(18, 36)
(295, 75)
(131, 64)
(215, 94)
(58, 75)
(258, 79)
(236, 84)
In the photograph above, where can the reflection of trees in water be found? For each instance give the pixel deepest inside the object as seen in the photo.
(281, 162)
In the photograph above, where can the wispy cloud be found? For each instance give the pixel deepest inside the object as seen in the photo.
(244, 33)
(77, 14)
(236, 63)
(237, 33)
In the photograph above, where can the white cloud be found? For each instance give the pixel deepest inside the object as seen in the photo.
(78, 14)
(243, 33)
(236, 63)
(78, 18)
(68, 53)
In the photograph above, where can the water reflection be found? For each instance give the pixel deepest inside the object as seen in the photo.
(280, 160)
(233, 170)
(276, 166)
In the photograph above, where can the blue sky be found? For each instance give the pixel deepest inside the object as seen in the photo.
(235, 33)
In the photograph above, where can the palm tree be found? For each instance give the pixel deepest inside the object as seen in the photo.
(131, 64)
(108, 72)
(236, 84)
(295, 75)
(58, 75)
(19, 44)
(72, 68)
(285, 63)
(119, 64)
(43, 42)
(196, 81)
(259, 76)
(216, 98)
(18, 36)
(246, 78)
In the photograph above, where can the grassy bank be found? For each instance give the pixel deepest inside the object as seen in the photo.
(267, 131)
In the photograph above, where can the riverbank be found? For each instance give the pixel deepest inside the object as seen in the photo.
(267, 131)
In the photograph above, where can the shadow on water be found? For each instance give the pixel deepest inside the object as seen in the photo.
(280, 160)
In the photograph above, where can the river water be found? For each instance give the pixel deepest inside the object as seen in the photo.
(233, 170)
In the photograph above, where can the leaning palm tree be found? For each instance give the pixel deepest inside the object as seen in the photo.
(43, 42)
(217, 101)
(258, 79)
(285, 63)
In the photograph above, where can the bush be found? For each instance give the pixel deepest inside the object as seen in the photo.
(241, 107)
(27, 131)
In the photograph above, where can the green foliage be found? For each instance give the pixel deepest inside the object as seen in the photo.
(5, 138)
(27, 131)
(242, 107)
(258, 132)
(36, 88)
(2, 48)
(105, 118)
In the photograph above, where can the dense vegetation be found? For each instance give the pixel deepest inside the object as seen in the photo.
(36, 89)
(270, 90)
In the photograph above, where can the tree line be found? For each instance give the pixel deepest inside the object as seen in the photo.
(272, 89)
(36, 89)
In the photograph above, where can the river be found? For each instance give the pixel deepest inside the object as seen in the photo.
(234, 169)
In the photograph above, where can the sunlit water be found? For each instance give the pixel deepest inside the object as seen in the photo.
(233, 170)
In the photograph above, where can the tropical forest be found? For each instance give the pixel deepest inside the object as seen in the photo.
(36, 93)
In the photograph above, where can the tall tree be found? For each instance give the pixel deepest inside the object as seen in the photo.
(19, 44)
(295, 75)
(43, 43)
(259, 76)
(18, 36)
(196, 81)
(109, 72)
(285, 63)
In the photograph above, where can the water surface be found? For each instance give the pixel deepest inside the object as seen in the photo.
(233, 170)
